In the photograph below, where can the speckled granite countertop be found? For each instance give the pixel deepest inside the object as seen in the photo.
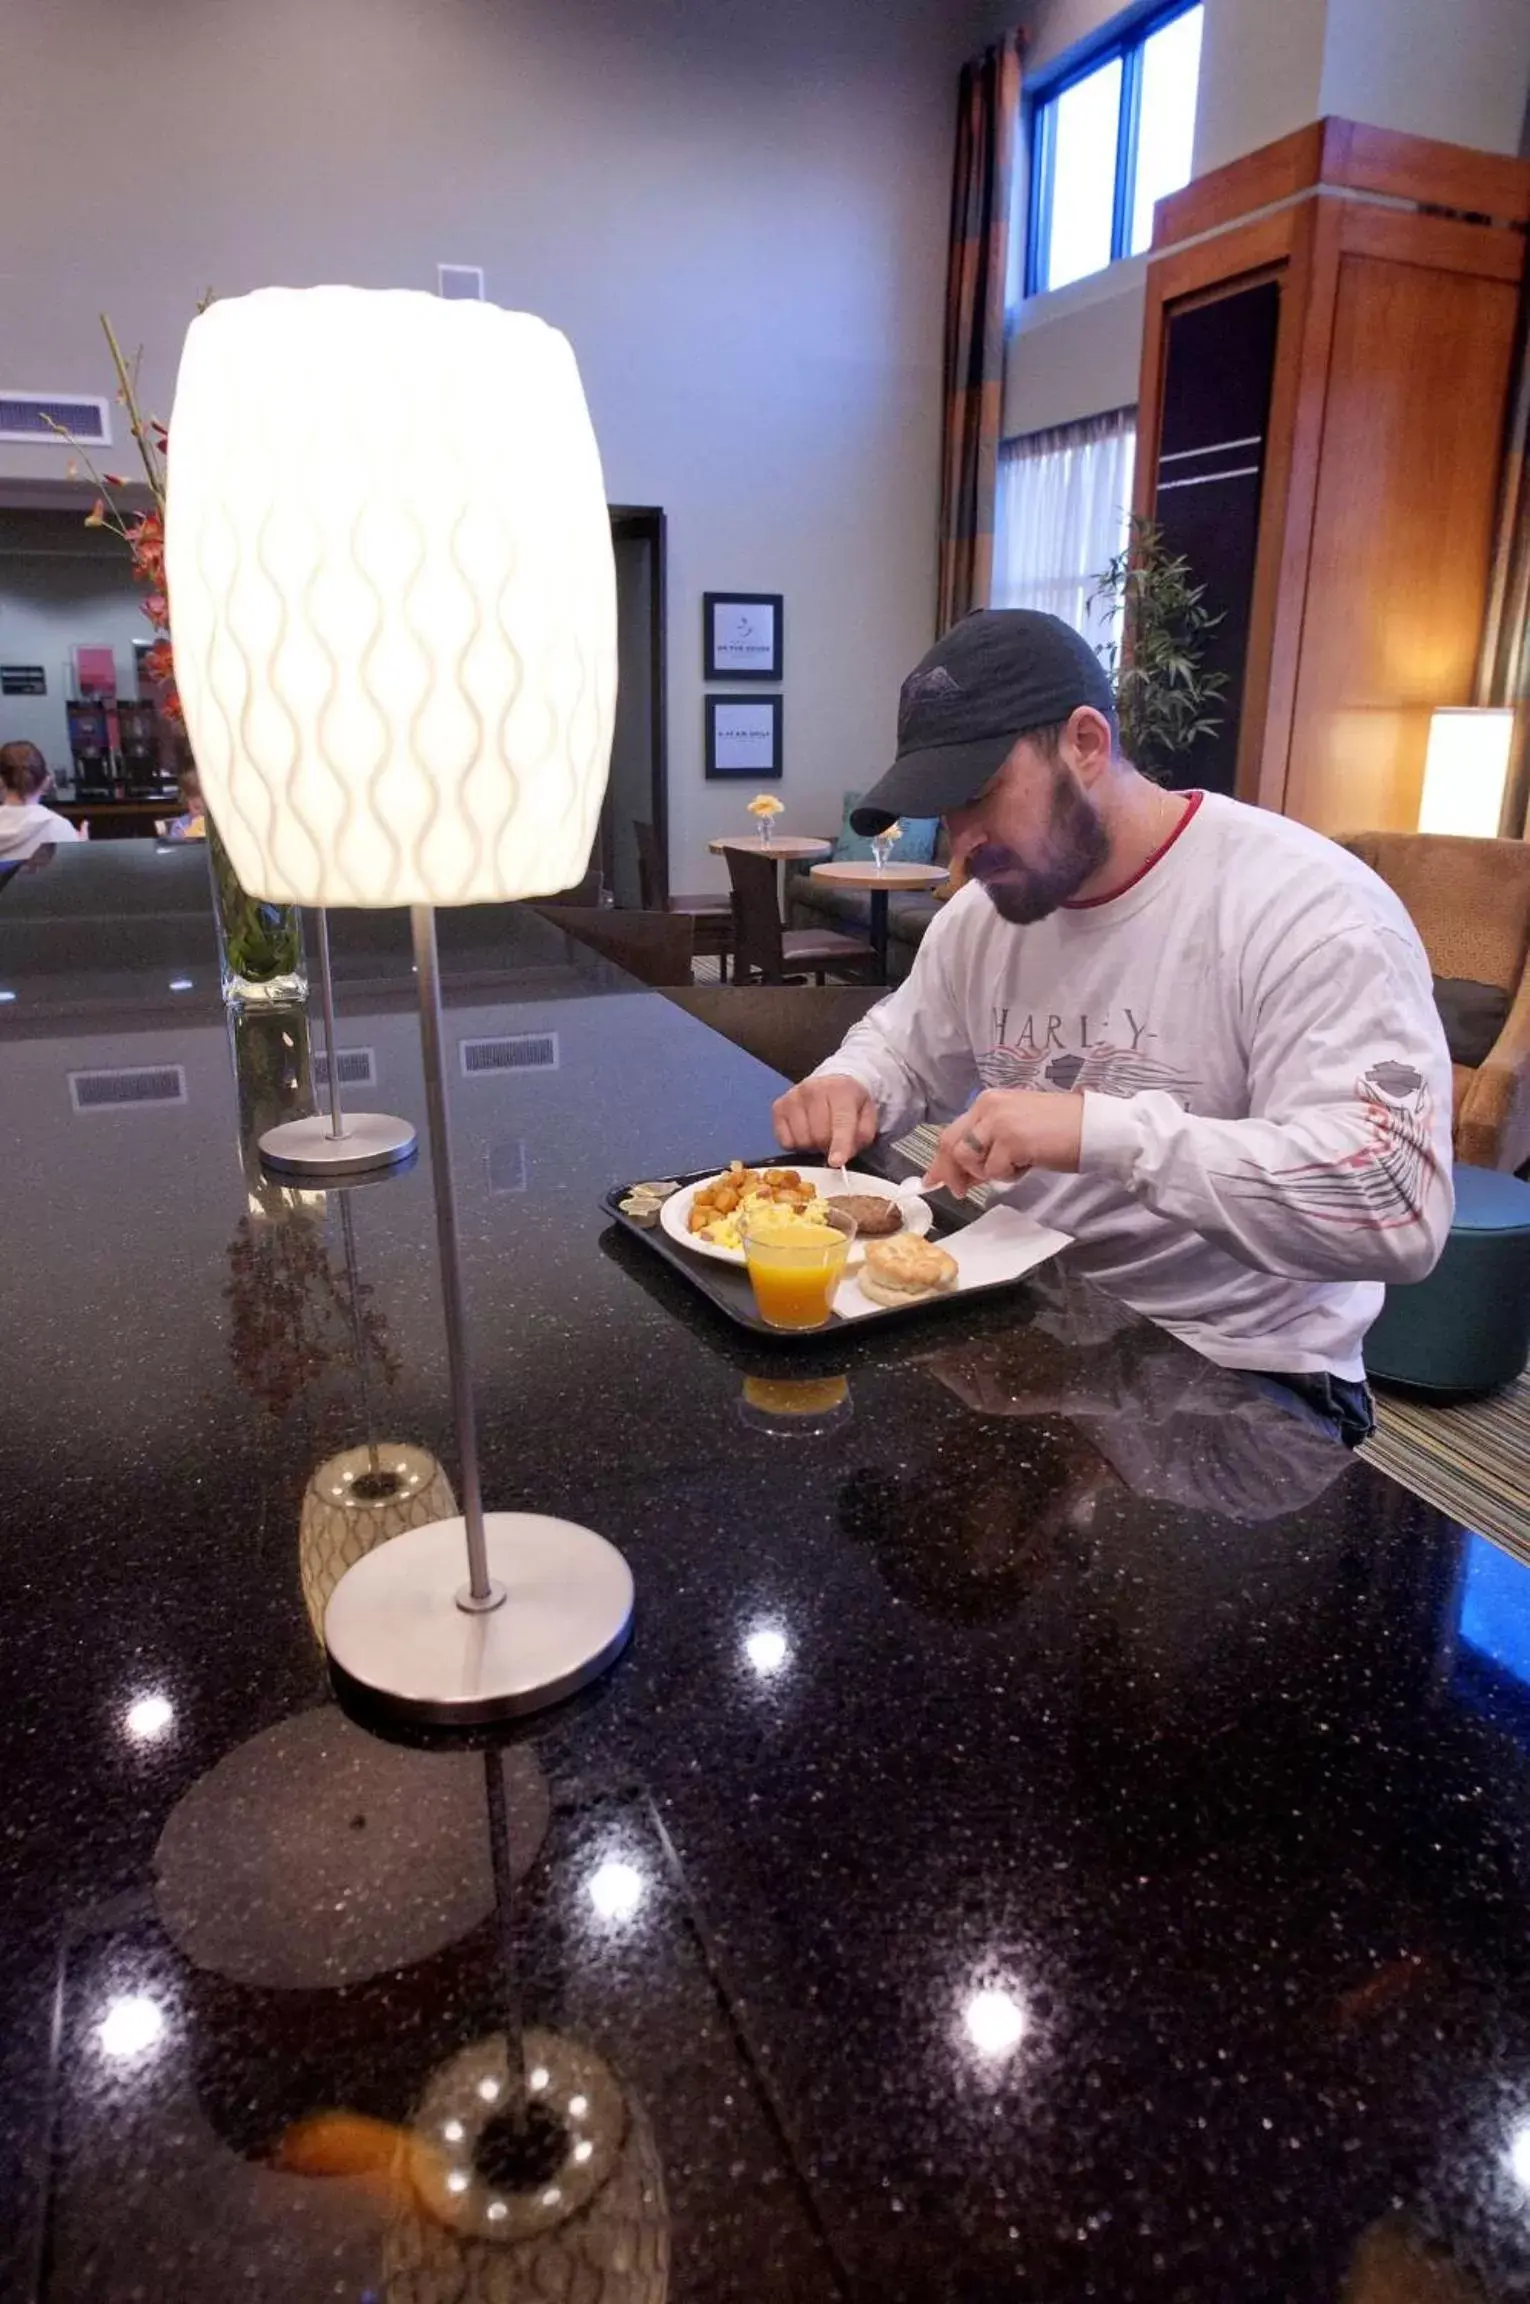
(1060, 1831)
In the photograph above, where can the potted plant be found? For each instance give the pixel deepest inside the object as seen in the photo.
(1165, 700)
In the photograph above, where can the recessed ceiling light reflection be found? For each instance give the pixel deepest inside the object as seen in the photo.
(7, 995)
(767, 1650)
(149, 1717)
(1518, 2155)
(131, 2026)
(617, 1889)
(994, 2022)
(180, 984)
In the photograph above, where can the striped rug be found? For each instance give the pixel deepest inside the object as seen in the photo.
(1471, 1461)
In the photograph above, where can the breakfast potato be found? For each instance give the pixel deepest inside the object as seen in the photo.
(715, 1210)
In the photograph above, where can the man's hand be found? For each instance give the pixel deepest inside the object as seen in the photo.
(829, 1113)
(1005, 1132)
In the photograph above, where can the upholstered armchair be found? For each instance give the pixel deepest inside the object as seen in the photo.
(1470, 902)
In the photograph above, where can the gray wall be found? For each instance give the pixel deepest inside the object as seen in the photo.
(737, 212)
(1455, 69)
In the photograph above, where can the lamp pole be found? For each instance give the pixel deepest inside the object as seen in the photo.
(480, 1592)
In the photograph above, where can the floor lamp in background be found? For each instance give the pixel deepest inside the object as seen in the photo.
(395, 632)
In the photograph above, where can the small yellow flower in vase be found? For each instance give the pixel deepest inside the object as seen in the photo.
(883, 844)
(765, 808)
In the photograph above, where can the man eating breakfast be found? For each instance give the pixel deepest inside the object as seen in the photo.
(1198, 1036)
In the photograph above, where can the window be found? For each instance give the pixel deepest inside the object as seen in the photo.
(1063, 503)
(1106, 143)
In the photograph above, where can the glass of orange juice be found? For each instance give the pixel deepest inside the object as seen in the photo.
(794, 1263)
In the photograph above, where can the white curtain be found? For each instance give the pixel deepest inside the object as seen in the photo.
(1064, 498)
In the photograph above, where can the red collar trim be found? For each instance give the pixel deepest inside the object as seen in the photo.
(1089, 903)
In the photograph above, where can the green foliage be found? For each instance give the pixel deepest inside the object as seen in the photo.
(1163, 698)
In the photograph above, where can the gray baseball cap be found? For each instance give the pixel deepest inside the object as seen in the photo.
(992, 678)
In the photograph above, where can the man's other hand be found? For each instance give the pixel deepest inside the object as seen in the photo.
(829, 1113)
(1004, 1132)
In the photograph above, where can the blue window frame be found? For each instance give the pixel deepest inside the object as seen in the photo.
(1109, 137)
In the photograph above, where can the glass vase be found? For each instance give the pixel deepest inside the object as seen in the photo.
(260, 946)
(766, 833)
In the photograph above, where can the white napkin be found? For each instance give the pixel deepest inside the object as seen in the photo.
(999, 1246)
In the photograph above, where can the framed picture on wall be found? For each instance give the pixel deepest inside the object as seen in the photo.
(744, 736)
(741, 635)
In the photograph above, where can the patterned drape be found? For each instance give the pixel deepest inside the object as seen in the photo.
(1504, 672)
(987, 131)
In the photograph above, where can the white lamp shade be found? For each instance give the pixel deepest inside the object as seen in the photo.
(392, 596)
(1464, 770)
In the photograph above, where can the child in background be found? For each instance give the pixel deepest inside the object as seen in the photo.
(191, 824)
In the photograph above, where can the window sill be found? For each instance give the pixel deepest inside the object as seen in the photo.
(1126, 277)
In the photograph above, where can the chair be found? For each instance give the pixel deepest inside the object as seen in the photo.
(1465, 1330)
(712, 915)
(762, 947)
(655, 947)
(790, 1027)
(1470, 902)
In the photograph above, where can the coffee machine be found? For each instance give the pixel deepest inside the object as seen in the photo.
(90, 746)
(138, 753)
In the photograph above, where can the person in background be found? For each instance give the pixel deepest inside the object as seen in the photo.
(1196, 1036)
(191, 824)
(26, 824)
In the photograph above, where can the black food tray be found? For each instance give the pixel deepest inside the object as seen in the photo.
(727, 1285)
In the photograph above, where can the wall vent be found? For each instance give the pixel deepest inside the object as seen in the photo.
(519, 1052)
(460, 283)
(507, 1167)
(358, 1068)
(142, 1084)
(33, 415)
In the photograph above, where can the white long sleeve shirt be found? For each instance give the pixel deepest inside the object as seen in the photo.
(26, 826)
(1267, 1093)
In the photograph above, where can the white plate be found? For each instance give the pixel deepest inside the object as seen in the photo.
(828, 1183)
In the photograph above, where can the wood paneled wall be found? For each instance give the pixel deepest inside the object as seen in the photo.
(1382, 449)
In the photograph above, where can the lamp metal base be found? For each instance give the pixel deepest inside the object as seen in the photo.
(366, 1140)
(393, 1624)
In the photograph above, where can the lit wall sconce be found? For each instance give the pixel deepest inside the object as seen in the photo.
(1465, 768)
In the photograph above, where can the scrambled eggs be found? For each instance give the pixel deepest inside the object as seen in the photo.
(728, 1231)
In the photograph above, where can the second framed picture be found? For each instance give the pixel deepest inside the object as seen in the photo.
(741, 635)
(744, 736)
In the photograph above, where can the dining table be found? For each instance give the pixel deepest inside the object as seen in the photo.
(1060, 1831)
(881, 882)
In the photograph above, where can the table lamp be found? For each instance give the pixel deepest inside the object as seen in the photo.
(1465, 769)
(394, 610)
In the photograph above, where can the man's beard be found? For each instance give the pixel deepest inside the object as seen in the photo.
(1076, 845)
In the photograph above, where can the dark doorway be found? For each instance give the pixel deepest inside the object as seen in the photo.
(639, 787)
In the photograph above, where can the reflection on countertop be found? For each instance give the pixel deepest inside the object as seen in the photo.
(1061, 1829)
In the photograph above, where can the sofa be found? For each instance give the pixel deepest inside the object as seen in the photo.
(1470, 902)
